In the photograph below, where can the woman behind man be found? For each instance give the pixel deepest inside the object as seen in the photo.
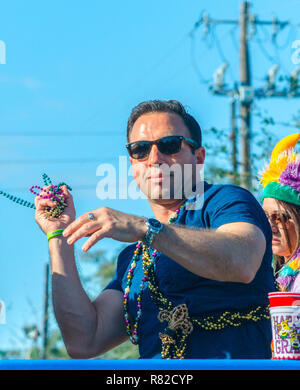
(281, 203)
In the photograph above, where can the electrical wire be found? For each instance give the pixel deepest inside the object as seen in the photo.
(276, 58)
(202, 79)
(58, 134)
(214, 41)
(233, 38)
(289, 39)
(264, 51)
(58, 161)
(221, 53)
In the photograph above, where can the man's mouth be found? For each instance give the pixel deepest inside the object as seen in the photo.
(156, 178)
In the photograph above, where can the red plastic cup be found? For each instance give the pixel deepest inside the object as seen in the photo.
(285, 320)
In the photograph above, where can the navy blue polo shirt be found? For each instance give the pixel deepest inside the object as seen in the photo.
(219, 205)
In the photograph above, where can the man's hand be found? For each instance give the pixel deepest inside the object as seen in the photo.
(107, 223)
(49, 225)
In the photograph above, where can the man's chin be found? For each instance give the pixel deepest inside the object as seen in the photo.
(161, 195)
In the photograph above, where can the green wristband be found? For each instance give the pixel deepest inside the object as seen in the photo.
(55, 233)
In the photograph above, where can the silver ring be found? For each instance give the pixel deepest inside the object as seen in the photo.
(91, 216)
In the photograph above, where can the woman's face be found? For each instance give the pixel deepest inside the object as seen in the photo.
(279, 241)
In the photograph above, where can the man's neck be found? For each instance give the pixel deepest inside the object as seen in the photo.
(163, 210)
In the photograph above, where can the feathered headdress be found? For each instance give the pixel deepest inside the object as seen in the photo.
(281, 178)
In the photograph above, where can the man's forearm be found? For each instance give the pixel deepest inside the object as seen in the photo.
(210, 254)
(73, 309)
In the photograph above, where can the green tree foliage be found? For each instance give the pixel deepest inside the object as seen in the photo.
(11, 354)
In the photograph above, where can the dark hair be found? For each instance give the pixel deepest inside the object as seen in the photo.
(293, 212)
(171, 106)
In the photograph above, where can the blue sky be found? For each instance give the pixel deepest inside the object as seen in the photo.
(78, 69)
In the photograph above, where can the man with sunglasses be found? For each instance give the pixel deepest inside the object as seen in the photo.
(195, 285)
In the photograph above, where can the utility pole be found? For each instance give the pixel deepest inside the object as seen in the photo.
(233, 138)
(46, 309)
(243, 92)
(245, 105)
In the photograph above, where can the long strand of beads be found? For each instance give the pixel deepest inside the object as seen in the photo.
(17, 200)
(54, 193)
(134, 337)
(46, 179)
(148, 263)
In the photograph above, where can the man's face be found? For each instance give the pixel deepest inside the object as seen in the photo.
(162, 176)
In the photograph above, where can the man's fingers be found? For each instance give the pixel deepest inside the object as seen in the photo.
(68, 196)
(45, 192)
(65, 191)
(41, 196)
(85, 230)
(41, 204)
(76, 225)
(93, 239)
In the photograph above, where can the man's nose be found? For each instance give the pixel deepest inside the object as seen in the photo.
(155, 156)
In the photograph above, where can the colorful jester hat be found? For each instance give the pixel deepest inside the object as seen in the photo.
(281, 178)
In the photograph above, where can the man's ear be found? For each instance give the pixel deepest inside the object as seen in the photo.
(200, 155)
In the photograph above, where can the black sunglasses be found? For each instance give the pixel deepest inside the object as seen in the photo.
(277, 218)
(167, 145)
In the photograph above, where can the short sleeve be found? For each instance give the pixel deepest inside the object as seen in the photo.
(236, 204)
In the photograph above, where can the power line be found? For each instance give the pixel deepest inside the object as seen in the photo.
(58, 134)
(268, 56)
(83, 160)
(214, 41)
(202, 79)
(289, 39)
(233, 38)
(220, 51)
(58, 161)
